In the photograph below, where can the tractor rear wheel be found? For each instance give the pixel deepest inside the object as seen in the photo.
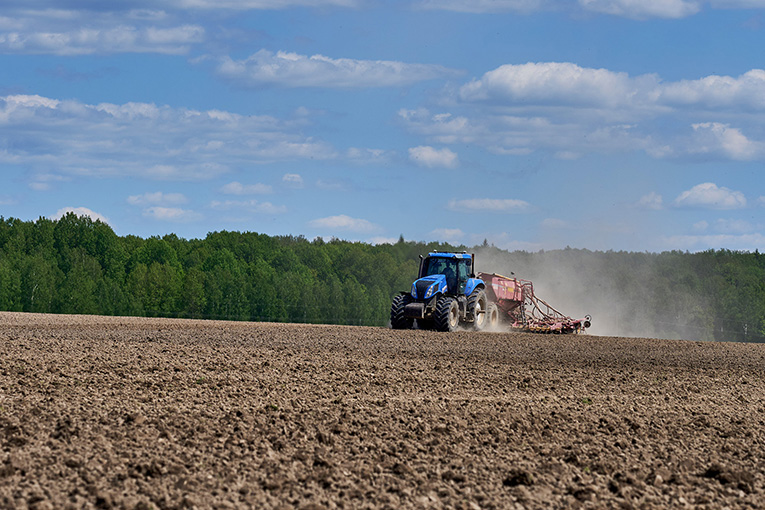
(477, 306)
(397, 318)
(447, 315)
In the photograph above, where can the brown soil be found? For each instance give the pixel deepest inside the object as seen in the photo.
(146, 413)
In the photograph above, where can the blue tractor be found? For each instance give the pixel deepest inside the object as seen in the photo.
(445, 295)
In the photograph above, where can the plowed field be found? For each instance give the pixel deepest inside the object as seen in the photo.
(129, 413)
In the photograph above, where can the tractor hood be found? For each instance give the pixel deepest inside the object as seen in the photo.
(429, 286)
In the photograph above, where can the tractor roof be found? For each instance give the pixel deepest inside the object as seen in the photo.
(449, 255)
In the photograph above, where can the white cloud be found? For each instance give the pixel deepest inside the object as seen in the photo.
(709, 196)
(172, 214)
(489, 204)
(80, 211)
(158, 198)
(559, 84)
(643, 9)
(570, 111)
(430, 157)
(652, 201)
(237, 188)
(293, 180)
(71, 27)
(344, 222)
(761, 201)
(723, 140)
(294, 70)
(382, 240)
(38, 34)
(716, 92)
(144, 140)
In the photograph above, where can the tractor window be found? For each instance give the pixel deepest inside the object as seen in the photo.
(435, 265)
(463, 271)
(455, 270)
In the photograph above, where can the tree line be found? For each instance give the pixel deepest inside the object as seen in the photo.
(80, 266)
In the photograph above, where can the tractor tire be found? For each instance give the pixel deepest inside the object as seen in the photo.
(492, 317)
(397, 318)
(477, 307)
(447, 316)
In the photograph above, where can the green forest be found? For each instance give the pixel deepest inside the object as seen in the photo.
(79, 266)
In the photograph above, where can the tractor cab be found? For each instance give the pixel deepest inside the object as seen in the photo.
(456, 271)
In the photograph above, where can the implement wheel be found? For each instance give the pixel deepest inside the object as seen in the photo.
(477, 306)
(447, 315)
(397, 318)
(492, 316)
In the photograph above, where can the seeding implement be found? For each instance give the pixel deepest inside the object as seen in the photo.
(448, 293)
(521, 309)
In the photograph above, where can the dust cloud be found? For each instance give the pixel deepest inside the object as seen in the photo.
(581, 282)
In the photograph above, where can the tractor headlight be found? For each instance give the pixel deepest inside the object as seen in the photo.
(414, 291)
(430, 291)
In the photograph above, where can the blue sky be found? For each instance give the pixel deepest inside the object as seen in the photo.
(534, 124)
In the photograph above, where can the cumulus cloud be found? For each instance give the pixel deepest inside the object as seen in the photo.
(293, 180)
(709, 196)
(744, 91)
(237, 188)
(144, 140)
(565, 84)
(344, 223)
(489, 204)
(559, 84)
(80, 211)
(72, 27)
(78, 31)
(570, 110)
(722, 140)
(382, 240)
(171, 214)
(430, 157)
(294, 70)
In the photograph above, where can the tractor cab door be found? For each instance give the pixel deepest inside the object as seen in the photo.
(463, 273)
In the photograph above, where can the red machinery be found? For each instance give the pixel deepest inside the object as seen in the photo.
(518, 306)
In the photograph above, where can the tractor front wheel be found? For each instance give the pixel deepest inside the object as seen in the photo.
(397, 318)
(447, 315)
